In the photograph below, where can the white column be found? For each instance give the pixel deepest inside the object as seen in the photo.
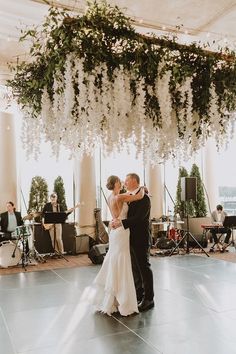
(210, 175)
(8, 179)
(155, 187)
(85, 193)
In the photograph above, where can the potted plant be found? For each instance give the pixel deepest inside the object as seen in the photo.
(200, 209)
(38, 197)
(60, 191)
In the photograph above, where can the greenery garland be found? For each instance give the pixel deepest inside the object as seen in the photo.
(104, 35)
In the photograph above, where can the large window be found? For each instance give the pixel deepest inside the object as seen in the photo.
(48, 168)
(225, 176)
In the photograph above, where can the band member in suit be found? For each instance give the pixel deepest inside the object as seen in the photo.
(10, 220)
(140, 241)
(54, 206)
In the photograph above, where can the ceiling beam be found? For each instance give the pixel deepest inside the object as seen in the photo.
(215, 18)
(146, 24)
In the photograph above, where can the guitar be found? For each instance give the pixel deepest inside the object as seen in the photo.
(49, 226)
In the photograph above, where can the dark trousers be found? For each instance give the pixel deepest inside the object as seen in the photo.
(143, 277)
(221, 230)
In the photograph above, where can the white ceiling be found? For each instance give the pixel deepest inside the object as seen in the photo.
(204, 20)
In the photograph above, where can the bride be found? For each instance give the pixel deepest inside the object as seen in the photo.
(113, 288)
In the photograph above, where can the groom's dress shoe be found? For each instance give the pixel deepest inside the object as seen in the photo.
(145, 305)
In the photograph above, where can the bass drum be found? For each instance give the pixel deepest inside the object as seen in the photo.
(10, 255)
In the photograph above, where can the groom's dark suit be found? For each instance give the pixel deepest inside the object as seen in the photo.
(140, 241)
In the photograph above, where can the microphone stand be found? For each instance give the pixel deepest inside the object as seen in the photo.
(187, 236)
(208, 200)
(169, 194)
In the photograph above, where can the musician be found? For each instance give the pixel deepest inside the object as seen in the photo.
(10, 220)
(54, 206)
(218, 217)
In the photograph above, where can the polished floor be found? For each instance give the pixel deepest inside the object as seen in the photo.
(195, 312)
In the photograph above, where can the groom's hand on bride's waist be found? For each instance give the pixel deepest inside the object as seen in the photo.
(115, 223)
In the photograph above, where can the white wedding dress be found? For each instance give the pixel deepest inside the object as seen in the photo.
(113, 288)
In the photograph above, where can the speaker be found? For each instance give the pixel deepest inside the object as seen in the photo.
(43, 242)
(188, 189)
(82, 243)
(164, 243)
(97, 253)
(69, 237)
(201, 239)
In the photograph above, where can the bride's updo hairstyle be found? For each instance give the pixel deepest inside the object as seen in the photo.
(111, 182)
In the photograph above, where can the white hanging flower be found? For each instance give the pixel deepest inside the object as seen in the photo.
(69, 93)
(162, 88)
(107, 114)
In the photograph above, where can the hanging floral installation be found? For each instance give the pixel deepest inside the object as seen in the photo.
(93, 80)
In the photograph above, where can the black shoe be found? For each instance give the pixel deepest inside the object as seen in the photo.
(139, 302)
(146, 305)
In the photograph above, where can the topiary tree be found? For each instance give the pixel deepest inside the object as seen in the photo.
(183, 208)
(200, 208)
(38, 194)
(60, 190)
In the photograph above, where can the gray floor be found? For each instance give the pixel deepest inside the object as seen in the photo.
(195, 312)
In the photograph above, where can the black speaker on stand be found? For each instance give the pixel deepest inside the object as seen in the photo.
(188, 193)
(188, 189)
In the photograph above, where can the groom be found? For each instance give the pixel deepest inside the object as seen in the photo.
(140, 240)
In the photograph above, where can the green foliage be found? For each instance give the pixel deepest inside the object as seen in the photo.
(38, 194)
(60, 191)
(200, 204)
(105, 35)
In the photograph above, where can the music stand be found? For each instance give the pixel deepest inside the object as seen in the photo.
(230, 222)
(55, 218)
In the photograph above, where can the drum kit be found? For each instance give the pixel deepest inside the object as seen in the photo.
(10, 255)
(20, 250)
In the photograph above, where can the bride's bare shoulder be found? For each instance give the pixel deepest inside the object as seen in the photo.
(112, 200)
(114, 205)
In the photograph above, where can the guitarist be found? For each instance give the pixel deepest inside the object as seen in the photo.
(54, 206)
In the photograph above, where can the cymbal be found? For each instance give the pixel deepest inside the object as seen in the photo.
(28, 217)
(37, 213)
(31, 216)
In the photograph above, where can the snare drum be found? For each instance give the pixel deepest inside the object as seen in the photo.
(10, 254)
(22, 231)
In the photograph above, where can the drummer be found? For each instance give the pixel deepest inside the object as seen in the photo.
(9, 221)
